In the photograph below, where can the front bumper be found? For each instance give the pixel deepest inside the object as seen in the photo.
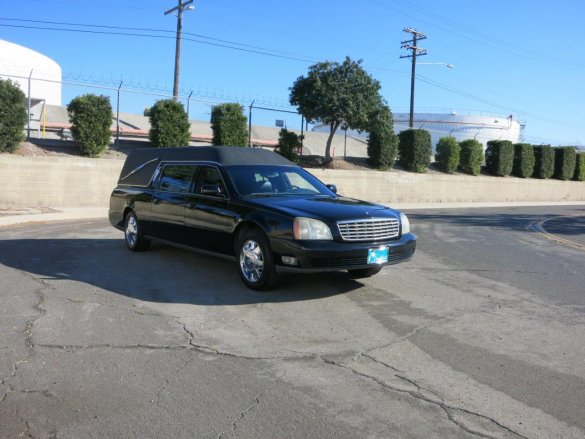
(319, 256)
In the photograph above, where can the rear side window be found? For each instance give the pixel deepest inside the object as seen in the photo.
(176, 178)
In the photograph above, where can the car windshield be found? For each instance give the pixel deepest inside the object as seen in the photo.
(270, 181)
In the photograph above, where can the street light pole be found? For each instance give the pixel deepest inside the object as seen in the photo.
(179, 8)
(416, 51)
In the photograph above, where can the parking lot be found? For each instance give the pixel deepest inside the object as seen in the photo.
(480, 335)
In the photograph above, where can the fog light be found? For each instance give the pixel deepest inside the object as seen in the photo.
(290, 260)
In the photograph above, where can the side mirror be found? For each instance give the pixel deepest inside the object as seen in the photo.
(213, 190)
(332, 188)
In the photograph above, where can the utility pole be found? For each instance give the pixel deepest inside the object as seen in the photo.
(415, 51)
(179, 8)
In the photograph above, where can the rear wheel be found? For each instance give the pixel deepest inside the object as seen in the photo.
(255, 263)
(364, 272)
(135, 241)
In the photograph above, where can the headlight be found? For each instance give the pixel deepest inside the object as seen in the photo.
(405, 223)
(309, 228)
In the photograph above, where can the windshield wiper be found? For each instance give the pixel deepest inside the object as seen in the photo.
(261, 195)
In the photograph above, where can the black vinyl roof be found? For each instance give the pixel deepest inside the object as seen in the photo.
(141, 163)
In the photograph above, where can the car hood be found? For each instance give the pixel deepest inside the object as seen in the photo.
(327, 208)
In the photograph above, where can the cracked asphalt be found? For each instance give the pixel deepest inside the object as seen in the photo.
(480, 335)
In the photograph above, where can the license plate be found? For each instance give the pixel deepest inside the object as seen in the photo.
(378, 255)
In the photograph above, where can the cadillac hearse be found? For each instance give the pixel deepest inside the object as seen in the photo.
(257, 208)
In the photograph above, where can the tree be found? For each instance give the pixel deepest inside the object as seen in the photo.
(447, 154)
(228, 124)
(338, 95)
(415, 150)
(169, 124)
(382, 142)
(91, 117)
(471, 156)
(13, 115)
(289, 143)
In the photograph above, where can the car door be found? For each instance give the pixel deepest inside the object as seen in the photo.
(169, 200)
(208, 214)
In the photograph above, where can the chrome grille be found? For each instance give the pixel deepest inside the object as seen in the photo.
(374, 229)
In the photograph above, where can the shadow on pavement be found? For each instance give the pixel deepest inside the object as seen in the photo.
(487, 218)
(162, 274)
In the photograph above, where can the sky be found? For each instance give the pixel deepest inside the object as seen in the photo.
(524, 58)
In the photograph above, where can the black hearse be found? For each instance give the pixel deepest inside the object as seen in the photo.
(257, 207)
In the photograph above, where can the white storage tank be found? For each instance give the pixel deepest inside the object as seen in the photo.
(17, 62)
(479, 126)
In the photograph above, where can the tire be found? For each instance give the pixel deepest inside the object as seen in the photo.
(255, 262)
(133, 237)
(364, 272)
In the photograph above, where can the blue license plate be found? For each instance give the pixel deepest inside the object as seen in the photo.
(378, 255)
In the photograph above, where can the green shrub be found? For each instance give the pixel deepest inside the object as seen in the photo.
(415, 149)
(544, 158)
(382, 142)
(523, 160)
(13, 115)
(447, 154)
(565, 158)
(288, 145)
(229, 125)
(471, 156)
(91, 116)
(580, 167)
(499, 157)
(169, 124)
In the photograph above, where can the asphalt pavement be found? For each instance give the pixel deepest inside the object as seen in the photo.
(480, 335)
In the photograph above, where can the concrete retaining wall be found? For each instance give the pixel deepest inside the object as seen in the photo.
(404, 187)
(78, 182)
(57, 181)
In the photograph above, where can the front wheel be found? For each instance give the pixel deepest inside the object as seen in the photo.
(255, 263)
(364, 272)
(133, 234)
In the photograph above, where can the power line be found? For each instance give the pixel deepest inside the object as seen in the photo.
(485, 101)
(145, 29)
(480, 38)
(142, 35)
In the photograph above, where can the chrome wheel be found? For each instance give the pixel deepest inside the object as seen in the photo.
(134, 238)
(131, 231)
(251, 261)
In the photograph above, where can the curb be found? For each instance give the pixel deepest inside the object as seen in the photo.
(57, 214)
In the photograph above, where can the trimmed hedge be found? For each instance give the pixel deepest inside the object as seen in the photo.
(471, 156)
(289, 143)
(382, 142)
(229, 125)
(499, 157)
(580, 167)
(523, 160)
(447, 154)
(169, 124)
(415, 150)
(544, 157)
(91, 119)
(13, 115)
(565, 158)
